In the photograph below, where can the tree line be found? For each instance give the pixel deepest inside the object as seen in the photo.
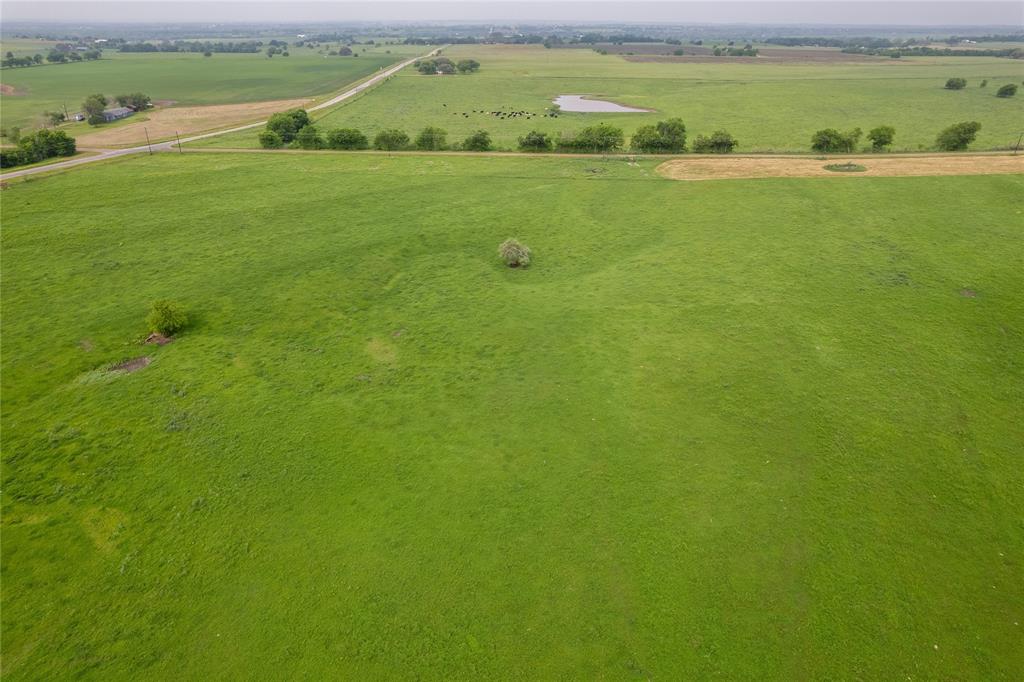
(294, 129)
(39, 146)
(54, 57)
(445, 66)
(248, 46)
(955, 138)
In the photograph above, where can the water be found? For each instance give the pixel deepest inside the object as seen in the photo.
(578, 103)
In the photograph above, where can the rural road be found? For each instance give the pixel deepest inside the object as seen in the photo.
(167, 146)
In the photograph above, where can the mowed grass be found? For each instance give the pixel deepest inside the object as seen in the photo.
(187, 78)
(768, 107)
(740, 430)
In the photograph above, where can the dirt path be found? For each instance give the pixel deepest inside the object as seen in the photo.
(734, 167)
(165, 122)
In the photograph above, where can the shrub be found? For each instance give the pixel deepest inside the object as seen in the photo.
(1008, 90)
(431, 139)
(44, 144)
(390, 140)
(10, 157)
(347, 138)
(308, 137)
(881, 137)
(166, 317)
(984, 83)
(831, 140)
(720, 142)
(446, 68)
(468, 66)
(535, 141)
(270, 140)
(956, 84)
(665, 137)
(599, 138)
(135, 100)
(956, 137)
(480, 141)
(514, 254)
(288, 123)
(426, 67)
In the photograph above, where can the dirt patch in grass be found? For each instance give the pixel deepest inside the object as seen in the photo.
(9, 90)
(133, 365)
(722, 168)
(969, 293)
(163, 123)
(158, 339)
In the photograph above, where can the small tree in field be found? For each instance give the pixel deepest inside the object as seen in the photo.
(308, 137)
(166, 317)
(514, 254)
(468, 66)
(956, 84)
(535, 141)
(881, 137)
(1008, 90)
(720, 142)
(270, 140)
(391, 140)
(480, 141)
(831, 140)
(956, 137)
(347, 138)
(431, 139)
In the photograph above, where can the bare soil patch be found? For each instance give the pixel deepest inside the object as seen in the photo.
(722, 168)
(158, 339)
(132, 365)
(163, 123)
(8, 90)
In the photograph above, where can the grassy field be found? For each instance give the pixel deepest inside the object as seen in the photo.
(187, 78)
(735, 430)
(768, 107)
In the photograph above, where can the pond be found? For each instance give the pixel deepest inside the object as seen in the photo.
(581, 104)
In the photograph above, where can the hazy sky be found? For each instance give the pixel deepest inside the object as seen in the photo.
(917, 12)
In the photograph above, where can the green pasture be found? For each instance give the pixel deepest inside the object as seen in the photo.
(768, 107)
(187, 78)
(764, 429)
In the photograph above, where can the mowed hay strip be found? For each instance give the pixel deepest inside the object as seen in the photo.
(722, 168)
(164, 123)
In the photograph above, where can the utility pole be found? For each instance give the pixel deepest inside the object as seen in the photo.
(66, 116)
(179, 141)
(1017, 147)
(147, 141)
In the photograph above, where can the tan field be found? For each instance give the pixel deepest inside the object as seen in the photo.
(721, 168)
(164, 123)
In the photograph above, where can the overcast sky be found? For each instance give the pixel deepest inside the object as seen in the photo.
(915, 12)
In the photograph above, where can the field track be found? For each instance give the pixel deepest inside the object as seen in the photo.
(722, 168)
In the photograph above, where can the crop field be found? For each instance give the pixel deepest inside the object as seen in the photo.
(186, 79)
(738, 429)
(769, 106)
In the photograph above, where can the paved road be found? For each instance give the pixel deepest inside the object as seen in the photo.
(105, 154)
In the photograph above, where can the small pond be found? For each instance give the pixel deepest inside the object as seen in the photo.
(600, 106)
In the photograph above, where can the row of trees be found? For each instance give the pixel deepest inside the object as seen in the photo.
(54, 57)
(40, 145)
(294, 129)
(248, 46)
(955, 138)
(445, 66)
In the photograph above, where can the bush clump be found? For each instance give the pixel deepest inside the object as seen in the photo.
(535, 141)
(599, 138)
(956, 137)
(665, 137)
(720, 142)
(270, 140)
(166, 317)
(514, 253)
(956, 84)
(432, 139)
(831, 140)
(1008, 90)
(347, 138)
(480, 141)
(391, 140)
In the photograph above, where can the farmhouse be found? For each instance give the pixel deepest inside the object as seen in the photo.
(116, 113)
